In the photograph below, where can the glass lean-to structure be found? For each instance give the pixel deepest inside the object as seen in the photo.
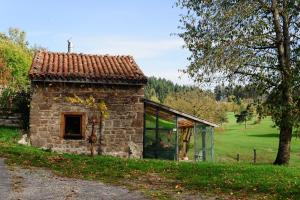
(173, 135)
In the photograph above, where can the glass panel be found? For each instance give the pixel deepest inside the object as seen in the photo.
(209, 142)
(203, 143)
(150, 117)
(186, 139)
(150, 144)
(191, 144)
(166, 120)
(198, 142)
(150, 121)
(166, 144)
(186, 143)
(161, 145)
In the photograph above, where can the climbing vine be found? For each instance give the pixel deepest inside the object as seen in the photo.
(100, 107)
(90, 103)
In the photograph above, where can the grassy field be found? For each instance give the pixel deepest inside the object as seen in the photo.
(233, 138)
(161, 179)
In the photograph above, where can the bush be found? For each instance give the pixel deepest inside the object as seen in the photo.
(18, 102)
(15, 60)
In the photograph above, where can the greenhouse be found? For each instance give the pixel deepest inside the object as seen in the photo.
(173, 135)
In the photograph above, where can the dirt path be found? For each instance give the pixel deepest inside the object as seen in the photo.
(39, 184)
(4, 181)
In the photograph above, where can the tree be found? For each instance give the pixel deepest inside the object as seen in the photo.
(218, 93)
(245, 115)
(242, 118)
(18, 37)
(15, 60)
(151, 94)
(253, 41)
(198, 103)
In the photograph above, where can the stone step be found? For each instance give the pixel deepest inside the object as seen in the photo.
(10, 119)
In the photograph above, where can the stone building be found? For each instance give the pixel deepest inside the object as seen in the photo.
(135, 127)
(62, 126)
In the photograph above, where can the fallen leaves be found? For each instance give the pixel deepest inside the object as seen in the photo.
(58, 159)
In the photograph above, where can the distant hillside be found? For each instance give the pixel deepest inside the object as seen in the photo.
(158, 89)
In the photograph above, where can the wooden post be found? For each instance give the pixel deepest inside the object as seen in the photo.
(195, 142)
(203, 143)
(177, 139)
(156, 134)
(144, 131)
(212, 145)
(254, 156)
(238, 157)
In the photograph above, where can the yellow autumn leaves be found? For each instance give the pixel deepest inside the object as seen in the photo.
(90, 103)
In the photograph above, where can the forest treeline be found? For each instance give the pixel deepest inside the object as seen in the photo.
(205, 104)
(158, 89)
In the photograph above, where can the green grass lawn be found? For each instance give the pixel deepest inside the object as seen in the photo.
(233, 138)
(158, 178)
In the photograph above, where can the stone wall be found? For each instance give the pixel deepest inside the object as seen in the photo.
(122, 130)
(10, 119)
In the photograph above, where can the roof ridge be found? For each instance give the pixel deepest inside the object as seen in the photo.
(84, 54)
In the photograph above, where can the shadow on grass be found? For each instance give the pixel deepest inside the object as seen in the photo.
(272, 135)
(265, 135)
(231, 129)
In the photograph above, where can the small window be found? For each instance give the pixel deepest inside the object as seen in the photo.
(73, 127)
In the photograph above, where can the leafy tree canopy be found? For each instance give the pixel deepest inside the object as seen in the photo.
(198, 103)
(187, 99)
(245, 115)
(254, 42)
(15, 60)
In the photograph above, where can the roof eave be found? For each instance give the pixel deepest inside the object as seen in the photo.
(107, 82)
(182, 114)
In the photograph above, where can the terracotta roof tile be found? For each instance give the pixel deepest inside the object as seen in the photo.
(72, 67)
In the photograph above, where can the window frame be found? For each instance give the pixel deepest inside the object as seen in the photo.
(63, 124)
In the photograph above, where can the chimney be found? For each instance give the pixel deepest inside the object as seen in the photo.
(70, 46)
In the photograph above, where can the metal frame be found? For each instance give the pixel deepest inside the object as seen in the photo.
(178, 113)
(201, 126)
(177, 139)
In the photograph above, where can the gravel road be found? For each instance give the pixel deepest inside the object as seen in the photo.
(4, 181)
(39, 184)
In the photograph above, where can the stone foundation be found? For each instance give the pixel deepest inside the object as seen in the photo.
(122, 130)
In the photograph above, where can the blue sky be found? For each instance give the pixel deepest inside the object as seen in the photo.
(141, 28)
